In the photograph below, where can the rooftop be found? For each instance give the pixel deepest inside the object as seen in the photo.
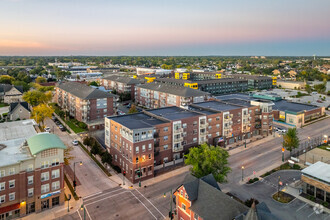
(242, 102)
(137, 121)
(44, 141)
(123, 79)
(83, 91)
(235, 96)
(17, 129)
(173, 89)
(205, 111)
(173, 113)
(318, 170)
(284, 105)
(219, 106)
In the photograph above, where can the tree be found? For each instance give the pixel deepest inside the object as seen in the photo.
(5, 79)
(93, 83)
(95, 149)
(41, 79)
(106, 158)
(25, 85)
(35, 97)
(207, 159)
(308, 89)
(132, 110)
(41, 112)
(291, 139)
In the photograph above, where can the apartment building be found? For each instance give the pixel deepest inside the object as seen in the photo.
(254, 81)
(85, 103)
(31, 170)
(122, 84)
(157, 95)
(157, 136)
(213, 86)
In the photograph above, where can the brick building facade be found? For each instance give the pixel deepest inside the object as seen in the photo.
(122, 85)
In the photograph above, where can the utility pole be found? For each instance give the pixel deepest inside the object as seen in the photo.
(170, 214)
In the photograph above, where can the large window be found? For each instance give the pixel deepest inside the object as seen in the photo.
(2, 186)
(44, 176)
(55, 174)
(55, 185)
(320, 193)
(310, 189)
(44, 188)
(30, 180)
(11, 184)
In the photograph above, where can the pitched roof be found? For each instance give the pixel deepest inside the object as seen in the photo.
(16, 104)
(257, 212)
(208, 201)
(44, 141)
(123, 79)
(7, 87)
(83, 91)
(173, 89)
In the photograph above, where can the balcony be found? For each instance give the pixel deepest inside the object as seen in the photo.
(179, 139)
(203, 125)
(178, 149)
(178, 130)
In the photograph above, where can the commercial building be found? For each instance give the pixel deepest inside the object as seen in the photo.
(214, 86)
(85, 103)
(31, 170)
(147, 71)
(316, 181)
(293, 113)
(122, 84)
(10, 93)
(157, 95)
(291, 84)
(157, 136)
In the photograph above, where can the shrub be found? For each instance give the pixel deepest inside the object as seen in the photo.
(251, 181)
(249, 202)
(82, 125)
(296, 167)
(116, 168)
(325, 204)
(256, 179)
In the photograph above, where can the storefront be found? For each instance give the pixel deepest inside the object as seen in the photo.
(10, 212)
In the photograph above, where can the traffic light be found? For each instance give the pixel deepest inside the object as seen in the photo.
(171, 215)
(74, 183)
(124, 173)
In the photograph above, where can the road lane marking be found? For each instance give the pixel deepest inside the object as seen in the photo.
(143, 205)
(103, 194)
(79, 215)
(301, 207)
(150, 203)
(106, 198)
(311, 214)
(93, 195)
(88, 213)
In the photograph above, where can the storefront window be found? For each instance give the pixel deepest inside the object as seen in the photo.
(319, 193)
(310, 189)
(56, 201)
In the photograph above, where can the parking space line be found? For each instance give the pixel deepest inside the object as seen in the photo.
(106, 198)
(311, 214)
(150, 203)
(301, 207)
(103, 194)
(143, 205)
(88, 213)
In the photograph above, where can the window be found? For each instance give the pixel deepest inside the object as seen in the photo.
(11, 196)
(149, 147)
(30, 180)
(210, 119)
(183, 206)
(29, 168)
(165, 138)
(12, 171)
(194, 140)
(143, 148)
(143, 157)
(165, 146)
(186, 195)
(184, 125)
(195, 123)
(165, 129)
(30, 192)
(137, 159)
(55, 185)
(44, 164)
(56, 162)
(55, 174)
(2, 199)
(11, 184)
(2, 186)
(2, 173)
(218, 126)
(217, 118)
(149, 156)
(195, 131)
(137, 149)
(181, 192)
(49, 153)
(45, 188)
(45, 176)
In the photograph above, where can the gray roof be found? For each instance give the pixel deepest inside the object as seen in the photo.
(241, 102)
(15, 104)
(215, 105)
(83, 91)
(173, 89)
(137, 121)
(209, 202)
(284, 105)
(200, 82)
(257, 212)
(123, 79)
(173, 113)
(318, 170)
(7, 87)
(235, 96)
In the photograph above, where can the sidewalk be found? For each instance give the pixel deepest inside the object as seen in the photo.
(295, 192)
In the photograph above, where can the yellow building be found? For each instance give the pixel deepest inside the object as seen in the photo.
(274, 80)
(218, 75)
(150, 79)
(191, 85)
(177, 75)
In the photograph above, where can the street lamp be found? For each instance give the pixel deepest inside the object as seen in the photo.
(74, 174)
(171, 200)
(243, 172)
(245, 140)
(283, 154)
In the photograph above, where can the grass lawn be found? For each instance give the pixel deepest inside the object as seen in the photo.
(283, 197)
(3, 105)
(75, 128)
(324, 147)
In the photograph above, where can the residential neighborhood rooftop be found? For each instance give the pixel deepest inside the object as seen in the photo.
(173, 113)
(123, 79)
(219, 106)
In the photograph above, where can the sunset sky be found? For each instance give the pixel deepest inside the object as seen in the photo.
(164, 27)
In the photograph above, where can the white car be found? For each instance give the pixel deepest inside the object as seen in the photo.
(75, 142)
(281, 130)
(47, 129)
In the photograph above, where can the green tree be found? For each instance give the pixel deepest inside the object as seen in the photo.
(41, 79)
(95, 149)
(106, 158)
(207, 159)
(132, 109)
(36, 97)
(25, 85)
(5, 79)
(291, 139)
(93, 83)
(308, 89)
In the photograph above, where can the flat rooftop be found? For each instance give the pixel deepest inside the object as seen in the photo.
(284, 105)
(318, 170)
(218, 106)
(17, 129)
(242, 102)
(137, 121)
(173, 113)
(202, 110)
(235, 96)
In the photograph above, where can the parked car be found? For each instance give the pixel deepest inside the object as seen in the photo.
(75, 142)
(57, 122)
(47, 129)
(281, 130)
(319, 101)
(61, 127)
(54, 118)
